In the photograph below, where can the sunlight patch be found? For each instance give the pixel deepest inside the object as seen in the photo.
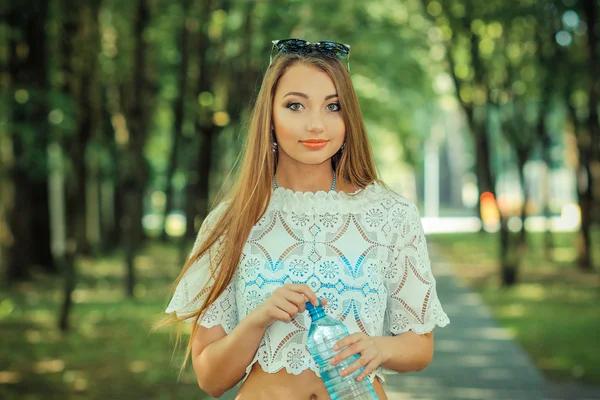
(138, 366)
(9, 377)
(49, 366)
(531, 291)
(512, 310)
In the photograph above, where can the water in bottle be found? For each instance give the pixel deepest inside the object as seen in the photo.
(323, 334)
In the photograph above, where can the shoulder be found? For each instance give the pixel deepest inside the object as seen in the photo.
(217, 211)
(393, 198)
(209, 222)
(213, 217)
(401, 209)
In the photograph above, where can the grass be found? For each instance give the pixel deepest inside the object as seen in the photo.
(111, 352)
(554, 309)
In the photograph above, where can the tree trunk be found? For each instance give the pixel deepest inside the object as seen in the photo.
(584, 193)
(591, 13)
(134, 163)
(593, 161)
(107, 213)
(113, 110)
(586, 202)
(548, 250)
(483, 171)
(74, 87)
(29, 219)
(522, 156)
(198, 183)
(508, 263)
(179, 116)
(129, 242)
(544, 136)
(67, 263)
(243, 77)
(93, 230)
(20, 221)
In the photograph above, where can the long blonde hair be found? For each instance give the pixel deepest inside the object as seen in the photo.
(249, 198)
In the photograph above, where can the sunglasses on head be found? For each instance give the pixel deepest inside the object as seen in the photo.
(303, 47)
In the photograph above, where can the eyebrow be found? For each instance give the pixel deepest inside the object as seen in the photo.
(306, 96)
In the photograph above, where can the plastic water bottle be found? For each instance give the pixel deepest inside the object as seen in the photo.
(323, 334)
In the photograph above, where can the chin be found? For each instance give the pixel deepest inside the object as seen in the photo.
(314, 160)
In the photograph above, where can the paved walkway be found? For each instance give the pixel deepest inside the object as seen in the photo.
(475, 358)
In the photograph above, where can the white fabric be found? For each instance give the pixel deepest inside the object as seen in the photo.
(364, 252)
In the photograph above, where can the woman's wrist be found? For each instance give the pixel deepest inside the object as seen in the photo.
(254, 324)
(406, 352)
(384, 350)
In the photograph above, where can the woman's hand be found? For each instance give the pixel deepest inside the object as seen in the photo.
(371, 355)
(284, 304)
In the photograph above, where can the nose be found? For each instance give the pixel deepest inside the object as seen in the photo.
(315, 124)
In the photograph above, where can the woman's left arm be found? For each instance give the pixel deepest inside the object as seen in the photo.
(406, 352)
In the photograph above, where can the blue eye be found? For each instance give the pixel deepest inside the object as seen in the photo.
(335, 104)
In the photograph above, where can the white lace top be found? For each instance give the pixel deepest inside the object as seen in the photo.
(364, 252)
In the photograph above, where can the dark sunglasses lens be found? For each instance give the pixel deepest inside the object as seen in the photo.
(296, 46)
(333, 49)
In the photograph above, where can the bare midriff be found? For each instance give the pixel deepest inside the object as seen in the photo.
(261, 385)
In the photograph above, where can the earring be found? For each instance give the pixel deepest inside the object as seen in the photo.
(342, 148)
(274, 142)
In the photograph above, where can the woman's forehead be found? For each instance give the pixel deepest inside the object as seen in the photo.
(307, 79)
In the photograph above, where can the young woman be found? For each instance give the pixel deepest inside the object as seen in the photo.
(307, 218)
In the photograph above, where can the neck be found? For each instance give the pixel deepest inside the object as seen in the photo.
(309, 178)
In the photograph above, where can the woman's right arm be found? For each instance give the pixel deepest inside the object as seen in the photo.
(220, 360)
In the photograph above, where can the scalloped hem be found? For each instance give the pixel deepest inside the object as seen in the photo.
(215, 323)
(208, 325)
(427, 328)
(379, 372)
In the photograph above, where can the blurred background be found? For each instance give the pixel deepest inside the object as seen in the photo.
(121, 122)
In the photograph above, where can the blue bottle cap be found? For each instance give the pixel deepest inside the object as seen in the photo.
(315, 312)
(310, 306)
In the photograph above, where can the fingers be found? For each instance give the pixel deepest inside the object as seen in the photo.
(303, 289)
(291, 299)
(370, 367)
(354, 347)
(357, 343)
(279, 314)
(290, 308)
(348, 340)
(361, 362)
(296, 298)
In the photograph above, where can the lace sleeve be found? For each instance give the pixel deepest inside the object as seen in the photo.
(195, 284)
(412, 302)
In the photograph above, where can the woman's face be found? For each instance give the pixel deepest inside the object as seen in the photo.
(306, 107)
